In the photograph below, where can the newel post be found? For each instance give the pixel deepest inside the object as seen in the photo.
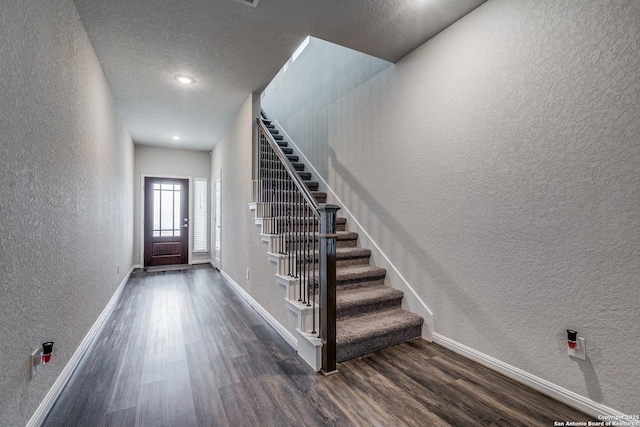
(328, 285)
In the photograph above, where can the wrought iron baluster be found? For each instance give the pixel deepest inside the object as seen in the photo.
(298, 246)
(279, 206)
(305, 231)
(307, 258)
(290, 231)
(315, 284)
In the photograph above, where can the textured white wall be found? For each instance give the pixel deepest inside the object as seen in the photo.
(242, 248)
(158, 161)
(497, 166)
(66, 199)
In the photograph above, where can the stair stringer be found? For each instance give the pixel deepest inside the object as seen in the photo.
(394, 279)
(308, 345)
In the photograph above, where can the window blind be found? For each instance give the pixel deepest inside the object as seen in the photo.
(200, 215)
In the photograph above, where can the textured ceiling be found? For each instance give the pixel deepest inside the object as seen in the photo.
(232, 49)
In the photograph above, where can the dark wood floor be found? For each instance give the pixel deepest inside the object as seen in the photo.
(183, 349)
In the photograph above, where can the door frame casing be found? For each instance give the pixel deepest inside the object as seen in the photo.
(142, 213)
(216, 224)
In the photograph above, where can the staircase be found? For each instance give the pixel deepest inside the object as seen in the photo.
(369, 314)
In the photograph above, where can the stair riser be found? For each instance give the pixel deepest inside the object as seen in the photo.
(366, 308)
(358, 283)
(352, 262)
(346, 243)
(355, 349)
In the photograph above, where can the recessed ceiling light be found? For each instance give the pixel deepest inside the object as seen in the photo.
(185, 80)
(252, 3)
(176, 137)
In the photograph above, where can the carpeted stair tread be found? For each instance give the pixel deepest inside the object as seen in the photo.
(357, 336)
(352, 253)
(346, 239)
(348, 257)
(360, 301)
(359, 275)
(358, 328)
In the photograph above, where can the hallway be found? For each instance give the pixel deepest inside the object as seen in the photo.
(183, 349)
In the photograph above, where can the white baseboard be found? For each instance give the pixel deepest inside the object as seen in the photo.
(284, 333)
(47, 403)
(201, 261)
(572, 399)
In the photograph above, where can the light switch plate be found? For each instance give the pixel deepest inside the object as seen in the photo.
(35, 361)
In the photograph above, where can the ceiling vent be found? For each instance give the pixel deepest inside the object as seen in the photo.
(252, 3)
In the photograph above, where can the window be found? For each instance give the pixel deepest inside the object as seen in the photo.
(166, 209)
(200, 215)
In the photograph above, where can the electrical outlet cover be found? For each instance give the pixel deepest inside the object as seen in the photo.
(580, 352)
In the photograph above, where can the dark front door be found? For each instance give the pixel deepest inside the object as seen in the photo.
(166, 221)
